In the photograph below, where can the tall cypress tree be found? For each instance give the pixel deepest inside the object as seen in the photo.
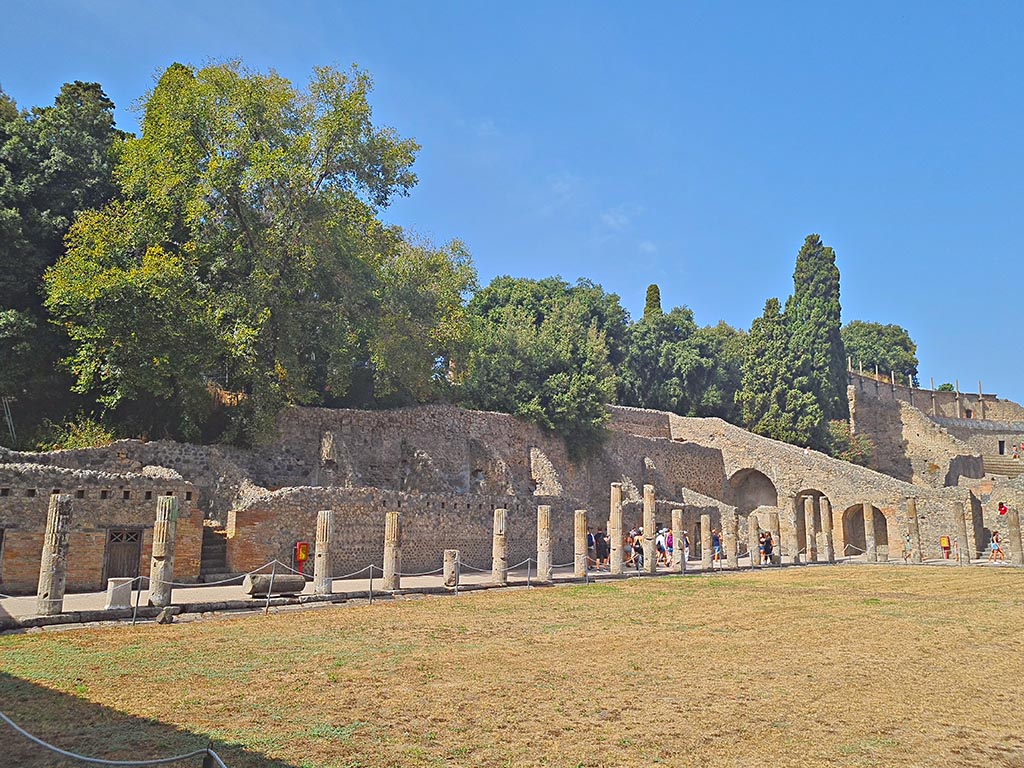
(813, 319)
(652, 306)
(762, 395)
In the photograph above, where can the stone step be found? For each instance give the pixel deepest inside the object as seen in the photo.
(1006, 466)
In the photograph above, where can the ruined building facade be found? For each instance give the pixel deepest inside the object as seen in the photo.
(446, 469)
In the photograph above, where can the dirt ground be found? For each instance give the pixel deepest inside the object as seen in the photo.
(848, 665)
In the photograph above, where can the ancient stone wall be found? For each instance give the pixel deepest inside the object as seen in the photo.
(100, 501)
(940, 403)
(792, 473)
(910, 446)
(269, 525)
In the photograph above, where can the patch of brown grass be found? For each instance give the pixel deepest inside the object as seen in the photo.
(845, 666)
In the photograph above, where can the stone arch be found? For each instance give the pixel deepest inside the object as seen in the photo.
(853, 530)
(801, 525)
(750, 488)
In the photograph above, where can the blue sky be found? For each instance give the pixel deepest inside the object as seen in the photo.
(692, 144)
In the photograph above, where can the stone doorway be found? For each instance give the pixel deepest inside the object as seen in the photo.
(123, 553)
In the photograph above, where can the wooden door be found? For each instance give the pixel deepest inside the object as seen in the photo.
(124, 552)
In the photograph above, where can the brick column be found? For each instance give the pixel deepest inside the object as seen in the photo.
(650, 553)
(870, 547)
(825, 507)
(615, 530)
(544, 543)
(451, 570)
(323, 583)
(499, 549)
(792, 539)
(914, 528)
(730, 539)
(754, 540)
(392, 550)
(960, 521)
(811, 534)
(678, 545)
(1013, 521)
(775, 526)
(705, 542)
(579, 539)
(53, 568)
(161, 567)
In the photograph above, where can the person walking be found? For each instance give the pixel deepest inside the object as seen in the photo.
(769, 547)
(996, 555)
(716, 548)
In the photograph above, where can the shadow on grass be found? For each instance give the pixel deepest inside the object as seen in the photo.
(94, 730)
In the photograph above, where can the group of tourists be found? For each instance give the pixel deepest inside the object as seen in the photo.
(665, 543)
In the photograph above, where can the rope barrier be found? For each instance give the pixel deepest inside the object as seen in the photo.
(425, 573)
(207, 752)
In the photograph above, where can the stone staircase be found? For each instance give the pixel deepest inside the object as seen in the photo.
(1005, 466)
(213, 565)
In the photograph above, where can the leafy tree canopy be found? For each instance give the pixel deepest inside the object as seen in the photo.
(542, 351)
(887, 346)
(246, 254)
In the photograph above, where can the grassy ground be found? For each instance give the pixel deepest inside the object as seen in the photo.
(845, 665)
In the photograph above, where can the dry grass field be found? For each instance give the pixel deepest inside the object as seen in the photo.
(837, 666)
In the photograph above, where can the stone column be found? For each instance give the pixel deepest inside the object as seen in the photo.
(914, 529)
(53, 568)
(615, 531)
(1013, 521)
(678, 545)
(705, 542)
(870, 548)
(161, 567)
(650, 553)
(775, 526)
(499, 549)
(579, 545)
(810, 531)
(323, 583)
(392, 550)
(960, 521)
(754, 540)
(828, 547)
(451, 570)
(544, 543)
(793, 543)
(730, 537)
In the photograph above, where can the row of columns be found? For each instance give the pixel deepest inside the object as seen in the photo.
(53, 566)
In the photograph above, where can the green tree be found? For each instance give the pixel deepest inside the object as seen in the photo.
(816, 345)
(944, 387)
(726, 348)
(887, 346)
(652, 304)
(55, 162)
(541, 351)
(246, 251)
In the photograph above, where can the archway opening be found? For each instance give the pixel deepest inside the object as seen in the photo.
(855, 542)
(750, 489)
(816, 497)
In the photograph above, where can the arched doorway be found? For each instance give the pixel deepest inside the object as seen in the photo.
(750, 489)
(854, 540)
(816, 498)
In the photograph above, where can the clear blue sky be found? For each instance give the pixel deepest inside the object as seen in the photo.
(692, 144)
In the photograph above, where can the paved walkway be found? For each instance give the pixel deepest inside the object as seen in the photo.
(25, 606)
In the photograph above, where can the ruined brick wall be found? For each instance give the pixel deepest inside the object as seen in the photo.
(100, 501)
(934, 402)
(268, 527)
(910, 446)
